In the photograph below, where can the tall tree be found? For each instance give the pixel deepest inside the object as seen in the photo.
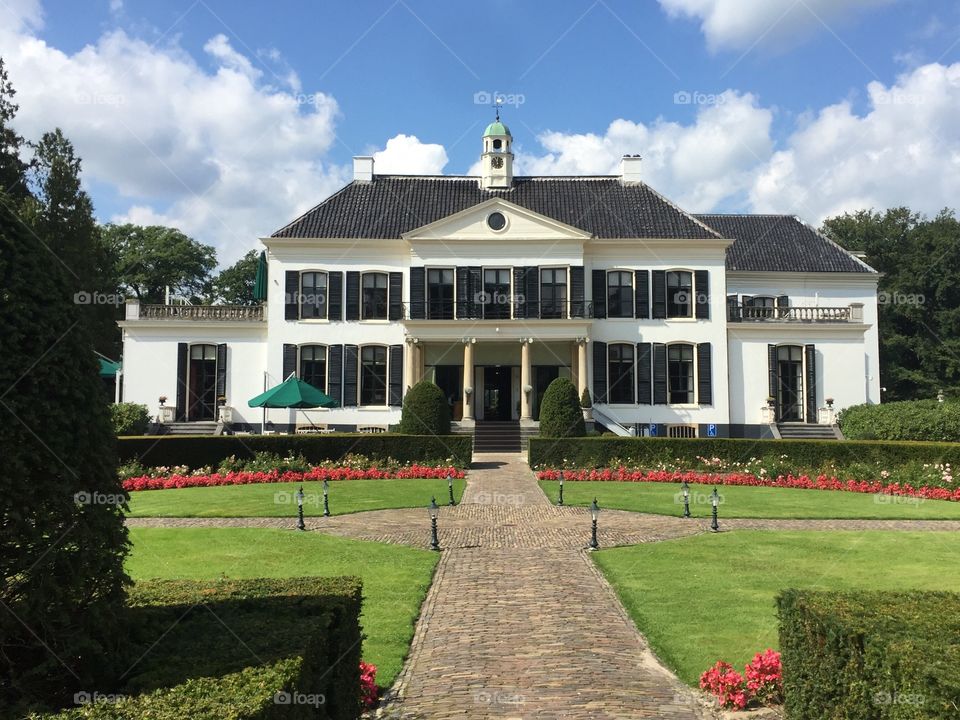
(234, 285)
(62, 539)
(62, 216)
(919, 299)
(153, 258)
(12, 167)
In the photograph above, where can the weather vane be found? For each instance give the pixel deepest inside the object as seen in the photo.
(497, 102)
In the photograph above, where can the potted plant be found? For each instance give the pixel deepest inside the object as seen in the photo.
(586, 405)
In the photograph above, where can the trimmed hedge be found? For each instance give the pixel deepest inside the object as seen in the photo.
(909, 420)
(239, 649)
(883, 656)
(598, 452)
(129, 418)
(560, 413)
(201, 451)
(425, 411)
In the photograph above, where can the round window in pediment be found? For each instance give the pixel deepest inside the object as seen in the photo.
(496, 221)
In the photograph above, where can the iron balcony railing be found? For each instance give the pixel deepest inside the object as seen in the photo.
(253, 313)
(750, 313)
(469, 310)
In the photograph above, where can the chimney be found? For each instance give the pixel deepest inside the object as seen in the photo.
(363, 169)
(630, 170)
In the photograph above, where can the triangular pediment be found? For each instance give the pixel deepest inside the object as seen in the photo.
(474, 224)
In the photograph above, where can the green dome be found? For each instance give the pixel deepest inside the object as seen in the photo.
(496, 128)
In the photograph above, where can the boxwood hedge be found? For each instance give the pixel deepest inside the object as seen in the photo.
(199, 451)
(908, 420)
(871, 655)
(242, 649)
(598, 452)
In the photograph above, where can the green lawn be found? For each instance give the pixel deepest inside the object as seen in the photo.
(711, 597)
(750, 502)
(277, 499)
(395, 578)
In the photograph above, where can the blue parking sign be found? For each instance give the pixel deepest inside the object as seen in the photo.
(711, 430)
(653, 429)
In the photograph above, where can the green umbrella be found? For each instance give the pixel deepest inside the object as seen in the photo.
(260, 281)
(293, 393)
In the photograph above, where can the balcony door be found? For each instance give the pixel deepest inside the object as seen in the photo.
(202, 383)
(496, 392)
(790, 383)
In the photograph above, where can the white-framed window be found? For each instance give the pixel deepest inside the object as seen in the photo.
(313, 295)
(373, 375)
(497, 296)
(680, 295)
(553, 292)
(681, 374)
(620, 294)
(313, 365)
(373, 296)
(621, 373)
(440, 293)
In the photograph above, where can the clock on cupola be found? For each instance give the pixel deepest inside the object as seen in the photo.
(497, 158)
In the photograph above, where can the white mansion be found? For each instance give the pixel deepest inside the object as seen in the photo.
(492, 286)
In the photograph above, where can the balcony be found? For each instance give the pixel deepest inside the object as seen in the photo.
(749, 313)
(469, 310)
(209, 313)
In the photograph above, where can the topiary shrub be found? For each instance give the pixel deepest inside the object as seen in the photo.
(585, 401)
(907, 420)
(560, 414)
(425, 411)
(129, 418)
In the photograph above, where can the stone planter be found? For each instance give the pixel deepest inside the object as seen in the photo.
(587, 414)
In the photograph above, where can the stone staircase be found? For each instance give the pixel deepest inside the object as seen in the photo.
(190, 428)
(497, 436)
(808, 431)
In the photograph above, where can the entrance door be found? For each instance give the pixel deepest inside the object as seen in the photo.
(543, 376)
(790, 383)
(448, 380)
(202, 383)
(496, 392)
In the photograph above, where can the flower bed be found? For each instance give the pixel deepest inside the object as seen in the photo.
(316, 474)
(802, 482)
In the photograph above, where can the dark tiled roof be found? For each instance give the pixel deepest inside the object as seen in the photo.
(393, 204)
(780, 243)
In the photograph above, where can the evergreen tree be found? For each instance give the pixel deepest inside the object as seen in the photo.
(425, 411)
(560, 413)
(12, 168)
(62, 538)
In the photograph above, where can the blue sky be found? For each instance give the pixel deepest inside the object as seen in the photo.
(410, 68)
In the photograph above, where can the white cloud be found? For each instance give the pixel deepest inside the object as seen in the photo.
(405, 154)
(904, 151)
(742, 23)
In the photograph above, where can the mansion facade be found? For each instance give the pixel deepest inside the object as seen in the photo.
(493, 286)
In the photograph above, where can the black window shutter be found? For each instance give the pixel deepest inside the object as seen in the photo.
(463, 293)
(773, 379)
(811, 357)
(289, 361)
(577, 309)
(221, 371)
(519, 292)
(395, 311)
(641, 292)
(659, 294)
(475, 285)
(659, 374)
(644, 377)
(532, 291)
(599, 371)
(418, 293)
(704, 374)
(701, 290)
(335, 296)
(350, 370)
(183, 352)
(598, 279)
(335, 373)
(733, 310)
(291, 295)
(353, 295)
(395, 387)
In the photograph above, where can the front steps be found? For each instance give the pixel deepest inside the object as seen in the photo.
(808, 431)
(189, 428)
(500, 436)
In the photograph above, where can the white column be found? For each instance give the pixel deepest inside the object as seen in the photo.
(525, 382)
(408, 366)
(468, 379)
(582, 366)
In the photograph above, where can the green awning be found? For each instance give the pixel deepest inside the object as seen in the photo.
(108, 368)
(260, 281)
(293, 393)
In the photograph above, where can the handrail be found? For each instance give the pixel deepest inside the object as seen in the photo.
(750, 313)
(253, 313)
(487, 309)
(608, 422)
